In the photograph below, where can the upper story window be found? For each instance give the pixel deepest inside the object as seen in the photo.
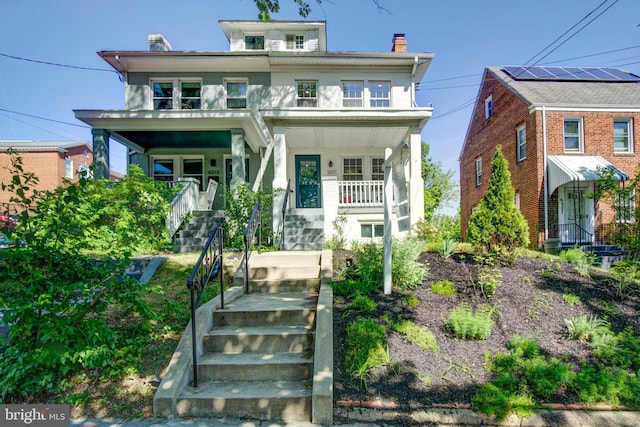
(68, 168)
(236, 94)
(176, 95)
(488, 107)
(307, 93)
(352, 94)
(573, 142)
(521, 137)
(352, 169)
(377, 171)
(478, 171)
(622, 135)
(379, 94)
(254, 42)
(294, 42)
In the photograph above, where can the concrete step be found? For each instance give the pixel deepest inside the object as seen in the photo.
(268, 309)
(259, 339)
(303, 246)
(285, 366)
(309, 286)
(285, 259)
(283, 273)
(288, 401)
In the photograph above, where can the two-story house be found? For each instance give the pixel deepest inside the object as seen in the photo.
(52, 162)
(277, 109)
(558, 127)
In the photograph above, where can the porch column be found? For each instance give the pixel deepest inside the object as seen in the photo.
(100, 153)
(416, 183)
(237, 157)
(329, 203)
(279, 174)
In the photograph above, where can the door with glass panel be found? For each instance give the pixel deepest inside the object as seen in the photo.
(308, 194)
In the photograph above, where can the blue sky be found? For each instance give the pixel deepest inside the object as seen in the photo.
(465, 35)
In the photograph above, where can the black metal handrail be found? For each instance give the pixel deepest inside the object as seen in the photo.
(572, 233)
(284, 212)
(209, 266)
(249, 235)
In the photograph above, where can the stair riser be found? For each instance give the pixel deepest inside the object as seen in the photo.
(264, 318)
(264, 273)
(285, 286)
(279, 408)
(258, 343)
(262, 372)
(295, 246)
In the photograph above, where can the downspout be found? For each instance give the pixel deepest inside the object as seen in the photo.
(413, 82)
(544, 173)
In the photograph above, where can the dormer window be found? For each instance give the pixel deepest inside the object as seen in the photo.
(254, 42)
(295, 42)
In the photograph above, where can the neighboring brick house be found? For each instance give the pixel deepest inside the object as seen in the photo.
(51, 161)
(557, 127)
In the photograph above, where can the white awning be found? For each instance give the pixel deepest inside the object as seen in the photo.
(564, 169)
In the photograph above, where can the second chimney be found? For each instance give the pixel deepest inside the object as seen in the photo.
(399, 43)
(157, 43)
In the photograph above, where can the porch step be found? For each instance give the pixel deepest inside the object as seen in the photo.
(268, 310)
(259, 339)
(195, 233)
(303, 231)
(285, 366)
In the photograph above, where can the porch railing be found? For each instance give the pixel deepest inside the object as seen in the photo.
(285, 203)
(209, 195)
(360, 194)
(571, 234)
(249, 236)
(208, 266)
(183, 204)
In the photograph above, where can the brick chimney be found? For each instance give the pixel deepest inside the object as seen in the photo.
(399, 43)
(157, 43)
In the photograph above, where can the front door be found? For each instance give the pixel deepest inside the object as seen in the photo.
(308, 182)
(577, 209)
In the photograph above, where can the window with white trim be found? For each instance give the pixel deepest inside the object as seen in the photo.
(352, 94)
(307, 93)
(176, 94)
(68, 168)
(625, 207)
(573, 141)
(84, 170)
(516, 199)
(294, 42)
(236, 93)
(379, 94)
(488, 107)
(371, 230)
(254, 42)
(478, 171)
(377, 170)
(352, 169)
(622, 135)
(521, 143)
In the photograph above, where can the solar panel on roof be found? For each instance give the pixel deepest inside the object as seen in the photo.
(571, 74)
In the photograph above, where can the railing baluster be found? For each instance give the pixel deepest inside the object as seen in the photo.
(248, 237)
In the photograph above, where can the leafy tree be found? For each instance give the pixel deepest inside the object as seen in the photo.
(267, 7)
(439, 188)
(240, 203)
(497, 226)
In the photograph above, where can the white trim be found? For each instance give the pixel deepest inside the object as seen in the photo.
(580, 135)
(519, 142)
(478, 162)
(587, 109)
(227, 80)
(488, 107)
(176, 96)
(629, 122)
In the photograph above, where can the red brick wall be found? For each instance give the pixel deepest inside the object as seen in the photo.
(509, 112)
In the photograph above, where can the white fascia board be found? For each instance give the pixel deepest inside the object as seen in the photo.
(587, 108)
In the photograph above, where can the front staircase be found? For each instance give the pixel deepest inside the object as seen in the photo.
(268, 355)
(303, 230)
(195, 232)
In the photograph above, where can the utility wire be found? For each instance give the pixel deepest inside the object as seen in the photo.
(19, 58)
(44, 118)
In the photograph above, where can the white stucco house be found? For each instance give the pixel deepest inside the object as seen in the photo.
(277, 109)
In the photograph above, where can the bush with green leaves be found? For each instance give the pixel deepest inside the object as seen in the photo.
(368, 262)
(628, 274)
(497, 226)
(585, 328)
(415, 334)
(488, 281)
(366, 348)
(240, 202)
(465, 323)
(444, 287)
(581, 259)
(350, 287)
(363, 304)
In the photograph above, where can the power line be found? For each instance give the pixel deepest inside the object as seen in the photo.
(37, 61)
(44, 118)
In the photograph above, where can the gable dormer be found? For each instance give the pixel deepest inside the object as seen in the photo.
(276, 36)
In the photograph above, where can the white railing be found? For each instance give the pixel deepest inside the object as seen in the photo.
(360, 194)
(206, 198)
(185, 202)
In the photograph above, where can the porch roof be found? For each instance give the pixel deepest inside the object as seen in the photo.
(564, 169)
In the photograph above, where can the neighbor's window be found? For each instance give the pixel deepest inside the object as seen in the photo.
(352, 169)
(352, 94)
(488, 107)
(478, 171)
(622, 135)
(163, 170)
(371, 230)
(254, 42)
(379, 94)
(236, 94)
(377, 171)
(68, 168)
(295, 42)
(521, 136)
(307, 93)
(573, 135)
(516, 199)
(176, 94)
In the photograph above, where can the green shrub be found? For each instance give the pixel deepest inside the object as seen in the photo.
(583, 328)
(240, 202)
(488, 280)
(418, 335)
(628, 274)
(495, 401)
(444, 287)
(363, 304)
(581, 259)
(365, 348)
(571, 299)
(348, 288)
(447, 247)
(406, 271)
(603, 384)
(464, 323)
(411, 300)
(368, 261)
